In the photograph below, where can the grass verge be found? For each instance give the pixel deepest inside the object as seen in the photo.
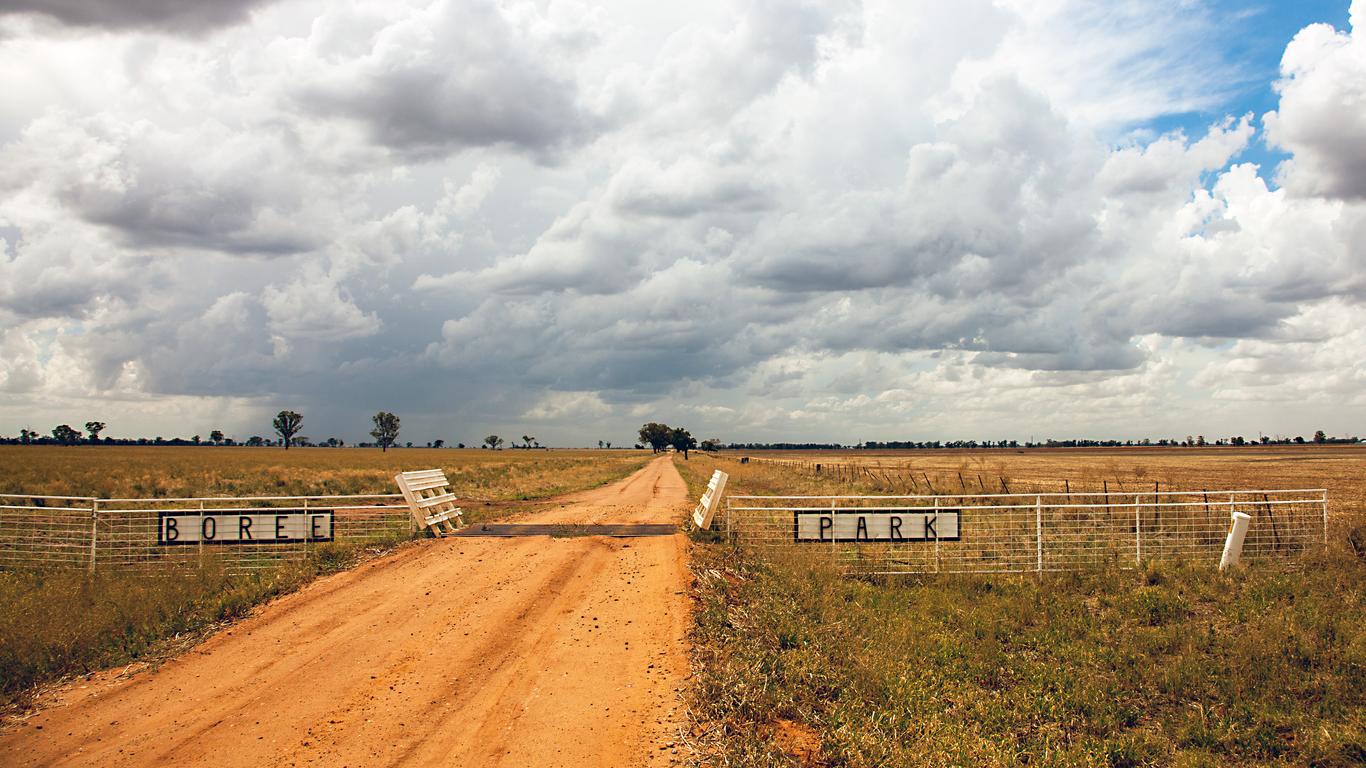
(1171, 665)
(55, 624)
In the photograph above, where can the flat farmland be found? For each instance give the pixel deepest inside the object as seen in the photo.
(1339, 469)
(167, 471)
(1169, 663)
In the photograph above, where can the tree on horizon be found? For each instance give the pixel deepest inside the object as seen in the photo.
(287, 424)
(682, 441)
(64, 434)
(656, 435)
(386, 430)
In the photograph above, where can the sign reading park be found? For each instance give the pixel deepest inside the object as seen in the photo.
(244, 526)
(875, 525)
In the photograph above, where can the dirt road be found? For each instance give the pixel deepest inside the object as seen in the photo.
(525, 651)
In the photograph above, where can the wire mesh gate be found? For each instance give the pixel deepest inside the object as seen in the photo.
(1017, 533)
(70, 532)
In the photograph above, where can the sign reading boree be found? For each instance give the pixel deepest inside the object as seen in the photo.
(875, 525)
(244, 526)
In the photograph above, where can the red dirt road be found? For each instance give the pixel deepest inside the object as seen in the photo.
(531, 651)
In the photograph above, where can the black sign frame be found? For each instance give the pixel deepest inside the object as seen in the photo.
(797, 513)
(199, 514)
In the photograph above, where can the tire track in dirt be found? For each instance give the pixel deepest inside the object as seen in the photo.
(466, 651)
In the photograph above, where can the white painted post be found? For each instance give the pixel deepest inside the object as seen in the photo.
(1038, 532)
(834, 534)
(1325, 519)
(1138, 532)
(937, 565)
(94, 527)
(308, 527)
(1233, 545)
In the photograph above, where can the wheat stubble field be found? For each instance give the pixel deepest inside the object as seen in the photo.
(127, 471)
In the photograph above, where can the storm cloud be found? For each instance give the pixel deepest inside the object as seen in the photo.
(770, 220)
(181, 16)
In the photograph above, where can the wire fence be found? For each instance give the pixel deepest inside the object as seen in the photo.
(1017, 532)
(244, 533)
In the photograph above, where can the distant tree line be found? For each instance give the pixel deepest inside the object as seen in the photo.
(1190, 441)
(286, 424)
(787, 446)
(658, 436)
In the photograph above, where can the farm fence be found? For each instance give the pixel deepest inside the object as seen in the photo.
(1019, 532)
(71, 532)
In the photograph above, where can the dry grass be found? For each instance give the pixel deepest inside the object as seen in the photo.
(1171, 665)
(149, 472)
(69, 622)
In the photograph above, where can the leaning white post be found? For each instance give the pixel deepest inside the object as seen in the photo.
(706, 508)
(1038, 532)
(1233, 545)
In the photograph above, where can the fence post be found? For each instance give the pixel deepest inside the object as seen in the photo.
(834, 534)
(1233, 545)
(94, 527)
(1138, 532)
(1325, 518)
(308, 527)
(1038, 532)
(937, 565)
(729, 537)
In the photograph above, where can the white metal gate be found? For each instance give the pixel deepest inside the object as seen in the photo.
(1015, 532)
(67, 532)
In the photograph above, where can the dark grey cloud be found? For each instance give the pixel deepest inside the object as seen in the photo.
(459, 74)
(177, 16)
(200, 187)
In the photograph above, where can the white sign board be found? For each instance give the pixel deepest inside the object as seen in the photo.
(244, 526)
(875, 525)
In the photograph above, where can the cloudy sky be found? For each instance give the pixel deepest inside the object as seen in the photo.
(763, 220)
